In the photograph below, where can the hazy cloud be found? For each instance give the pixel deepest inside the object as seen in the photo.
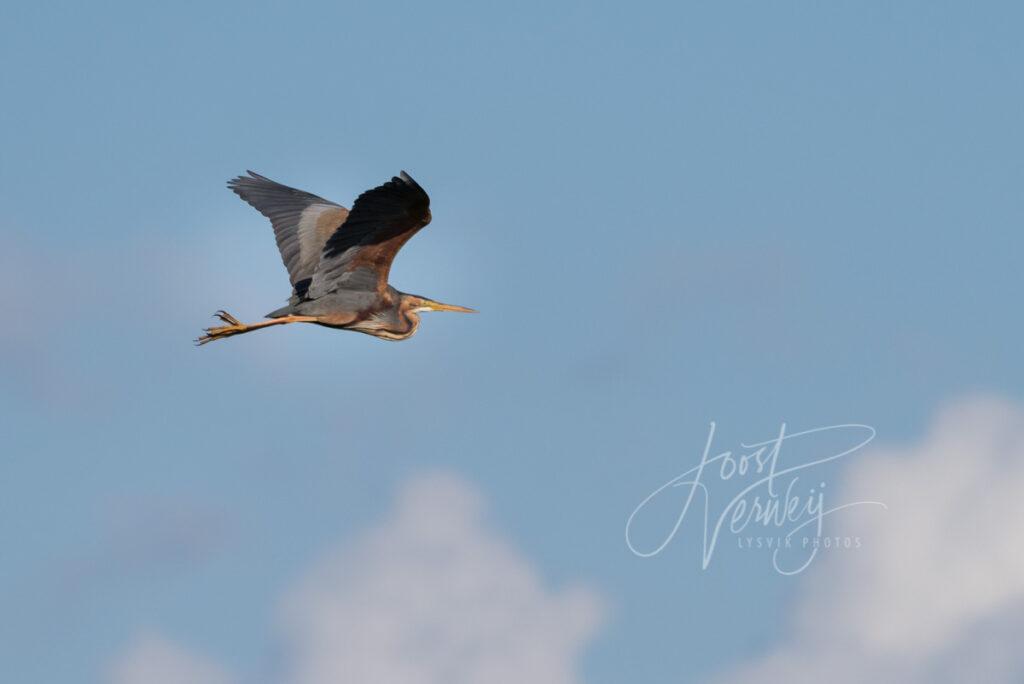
(429, 595)
(154, 660)
(936, 593)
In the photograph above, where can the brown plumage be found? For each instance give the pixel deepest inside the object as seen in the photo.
(338, 261)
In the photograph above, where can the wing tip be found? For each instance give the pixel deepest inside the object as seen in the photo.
(408, 180)
(253, 180)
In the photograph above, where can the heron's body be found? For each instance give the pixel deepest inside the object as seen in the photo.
(338, 260)
(359, 310)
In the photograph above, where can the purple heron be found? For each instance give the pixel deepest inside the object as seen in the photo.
(338, 260)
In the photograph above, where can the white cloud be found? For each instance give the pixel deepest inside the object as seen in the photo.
(936, 593)
(154, 660)
(429, 595)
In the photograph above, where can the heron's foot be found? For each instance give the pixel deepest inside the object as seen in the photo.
(228, 318)
(233, 327)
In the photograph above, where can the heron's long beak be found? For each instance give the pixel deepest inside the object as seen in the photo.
(438, 306)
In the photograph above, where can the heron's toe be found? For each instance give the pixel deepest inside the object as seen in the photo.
(227, 318)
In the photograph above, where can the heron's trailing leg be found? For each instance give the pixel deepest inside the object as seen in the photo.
(235, 327)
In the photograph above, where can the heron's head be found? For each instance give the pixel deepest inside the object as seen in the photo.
(416, 304)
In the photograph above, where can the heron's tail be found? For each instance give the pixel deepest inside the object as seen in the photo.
(278, 313)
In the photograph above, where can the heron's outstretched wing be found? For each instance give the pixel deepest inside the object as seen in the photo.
(359, 255)
(302, 222)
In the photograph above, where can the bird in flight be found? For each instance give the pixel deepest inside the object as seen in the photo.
(338, 260)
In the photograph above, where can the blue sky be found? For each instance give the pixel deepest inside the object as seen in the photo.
(667, 214)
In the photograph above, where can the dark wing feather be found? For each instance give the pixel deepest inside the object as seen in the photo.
(382, 220)
(302, 221)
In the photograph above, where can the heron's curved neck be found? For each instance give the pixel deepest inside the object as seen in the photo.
(411, 319)
(402, 325)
